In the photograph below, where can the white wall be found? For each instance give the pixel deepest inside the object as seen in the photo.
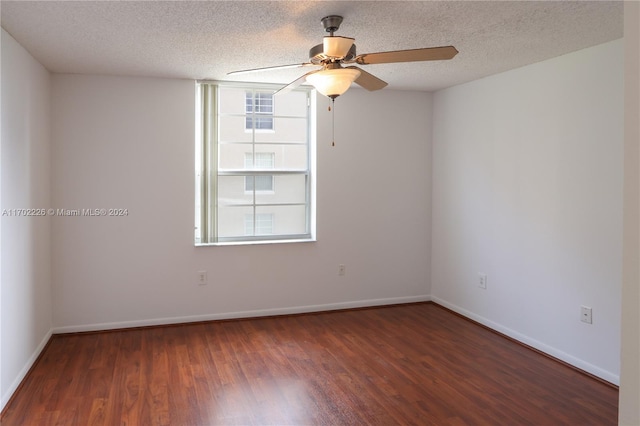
(629, 409)
(129, 143)
(528, 189)
(25, 245)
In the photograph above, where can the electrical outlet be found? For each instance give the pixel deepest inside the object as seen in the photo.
(482, 281)
(342, 269)
(202, 277)
(585, 314)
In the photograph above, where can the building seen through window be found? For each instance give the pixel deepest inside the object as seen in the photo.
(253, 165)
(259, 160)
(259, 110)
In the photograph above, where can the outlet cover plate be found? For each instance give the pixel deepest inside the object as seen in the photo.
(482, 281)
(586, 314)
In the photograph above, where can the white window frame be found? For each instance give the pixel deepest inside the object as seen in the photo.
(207, 171)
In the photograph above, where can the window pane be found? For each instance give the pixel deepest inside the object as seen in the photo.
(288, 220)
(286, 130)
(287, 156)
(231, 100)
(231, 191)
(260, 224)
(231, 221)
(264, 183)
(291, 104)
(232, 156)
(263, 160)
(232, 129)
(260, 183)
(287, 189)
(284, 156)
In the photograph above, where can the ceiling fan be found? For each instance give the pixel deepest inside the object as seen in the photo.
(333, 79)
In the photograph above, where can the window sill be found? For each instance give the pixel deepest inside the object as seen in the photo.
(256, 242)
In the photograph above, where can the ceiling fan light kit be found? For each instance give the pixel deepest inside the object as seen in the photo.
(333, 82)
(333, 79)
(337, 47)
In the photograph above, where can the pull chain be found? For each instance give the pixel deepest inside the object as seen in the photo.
(332, 108)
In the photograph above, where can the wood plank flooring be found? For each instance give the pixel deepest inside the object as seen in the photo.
(415, 364)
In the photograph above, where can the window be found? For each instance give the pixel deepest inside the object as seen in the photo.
(252, 185)
(259, 110)
(263, 160)
(260, 224)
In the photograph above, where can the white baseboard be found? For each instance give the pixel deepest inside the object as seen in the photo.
(563, 356)
(241, 314)
(25, 370)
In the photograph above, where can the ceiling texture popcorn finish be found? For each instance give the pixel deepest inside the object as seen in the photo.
(206, 40)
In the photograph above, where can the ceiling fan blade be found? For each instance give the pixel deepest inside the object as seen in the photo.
(411, 55)
(295, 83)
(277, 67)
(336, 46)
(369, 81)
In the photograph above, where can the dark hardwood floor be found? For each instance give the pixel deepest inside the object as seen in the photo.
(415, 364)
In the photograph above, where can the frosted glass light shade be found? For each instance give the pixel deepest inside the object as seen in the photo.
(333, 82)
(336, 46)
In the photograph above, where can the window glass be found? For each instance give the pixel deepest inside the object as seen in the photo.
(253, 164)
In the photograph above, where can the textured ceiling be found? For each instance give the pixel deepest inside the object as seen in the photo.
(205, 40)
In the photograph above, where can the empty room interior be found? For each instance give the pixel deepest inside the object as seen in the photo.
(487, 177)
